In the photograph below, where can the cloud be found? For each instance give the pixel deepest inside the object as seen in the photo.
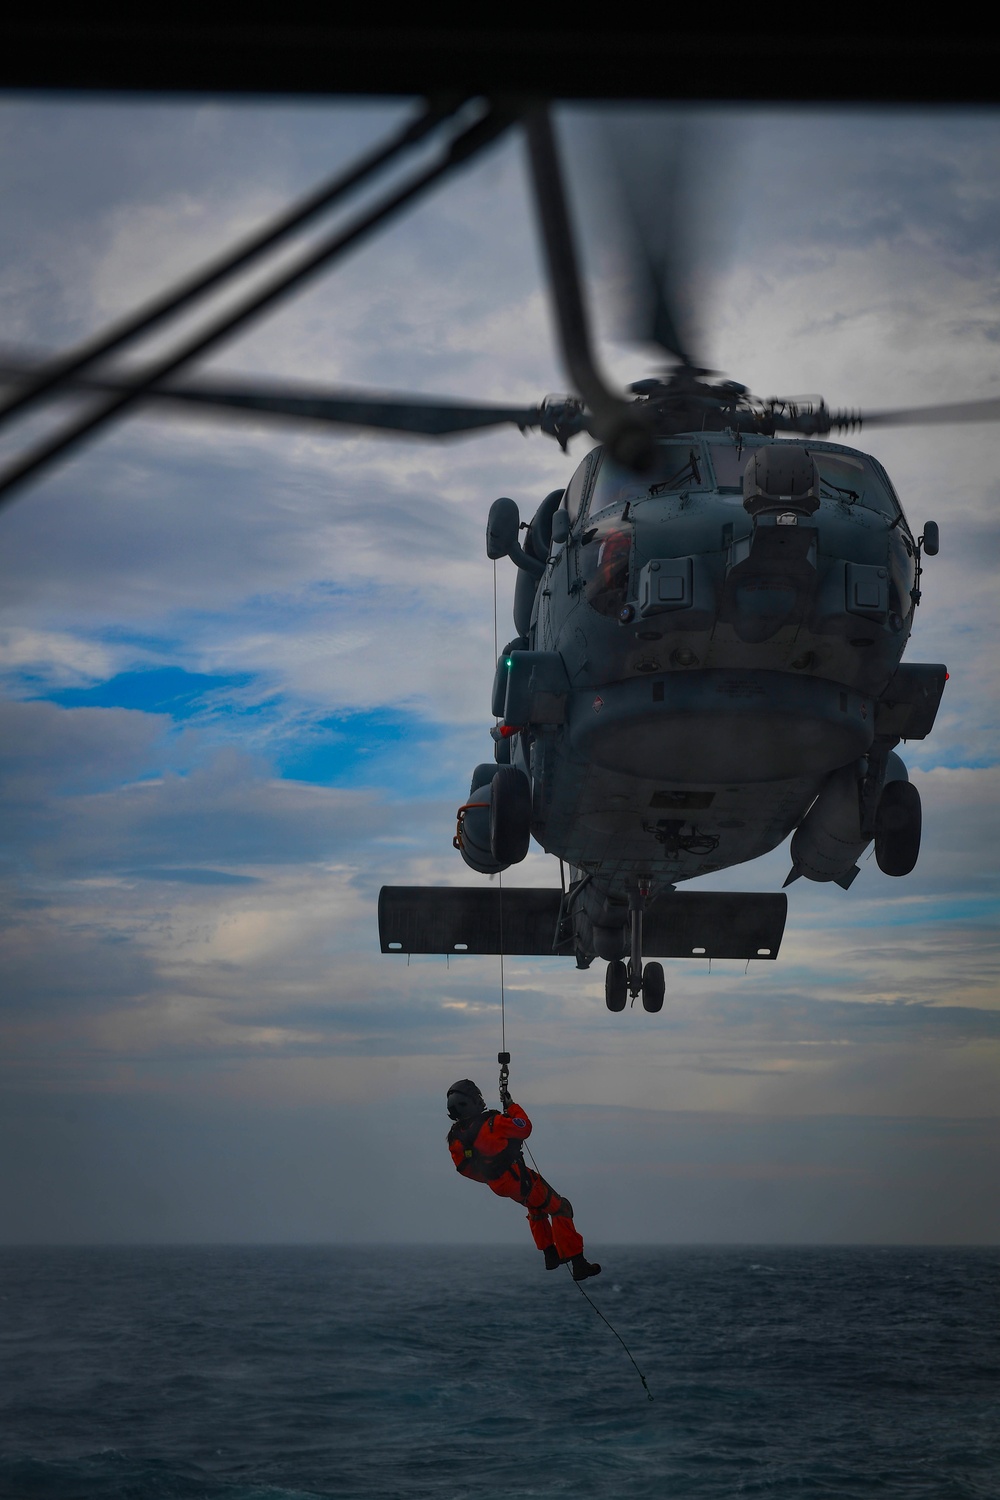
(223, 814)
(46, 750)
(53, 658)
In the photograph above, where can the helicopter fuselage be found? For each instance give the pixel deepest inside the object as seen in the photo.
(690, 674)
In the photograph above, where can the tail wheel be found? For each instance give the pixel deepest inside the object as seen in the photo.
(653, 987)
(510, 816)
(897, 828)
(616, 985)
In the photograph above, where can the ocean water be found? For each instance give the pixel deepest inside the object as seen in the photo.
(273, 1373)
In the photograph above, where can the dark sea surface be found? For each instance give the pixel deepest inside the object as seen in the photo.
(271, 1373)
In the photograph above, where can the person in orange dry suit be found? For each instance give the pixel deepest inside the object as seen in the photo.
(485, 1145)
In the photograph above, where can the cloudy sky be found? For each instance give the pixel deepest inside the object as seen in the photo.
(246, 674)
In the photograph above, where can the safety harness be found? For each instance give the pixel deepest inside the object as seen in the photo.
(478, 1165)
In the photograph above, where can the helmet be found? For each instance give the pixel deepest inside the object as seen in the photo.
(465, 1100)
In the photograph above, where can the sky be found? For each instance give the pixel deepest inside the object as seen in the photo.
(246, 676)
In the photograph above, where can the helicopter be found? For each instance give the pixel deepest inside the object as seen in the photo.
(710, 625)
(710, 619)
(708, 659)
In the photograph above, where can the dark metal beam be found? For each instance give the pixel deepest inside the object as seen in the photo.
(463, 146)
(752, 55)
(64, 367)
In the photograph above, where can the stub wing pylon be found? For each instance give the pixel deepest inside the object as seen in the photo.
(525, 921)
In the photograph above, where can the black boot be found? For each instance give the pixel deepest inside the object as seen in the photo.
(552, 1261)
(582, 1268)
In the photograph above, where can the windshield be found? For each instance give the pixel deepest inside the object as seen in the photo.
(679, 466)
(604, 563)
(729, 460)
(577, 486)
(852, 480)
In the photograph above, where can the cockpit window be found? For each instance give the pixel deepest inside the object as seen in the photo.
(853, 480)
(605, 553)
(679, 466)
(576, 489)
(729, 461)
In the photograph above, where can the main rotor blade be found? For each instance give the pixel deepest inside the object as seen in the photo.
(625, 431)
(658, 190)
(430, 418)
(918, 416)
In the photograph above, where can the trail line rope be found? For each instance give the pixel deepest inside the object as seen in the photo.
(607, 1321)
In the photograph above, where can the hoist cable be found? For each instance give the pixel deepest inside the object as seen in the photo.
(503, 1045)
(503, 1019)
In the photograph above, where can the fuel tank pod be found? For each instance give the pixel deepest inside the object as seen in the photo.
(828, 842)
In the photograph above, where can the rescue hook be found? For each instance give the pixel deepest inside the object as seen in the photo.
(503, 1058)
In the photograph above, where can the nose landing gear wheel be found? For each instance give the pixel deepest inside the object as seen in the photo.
(616, 985)
(653, 986)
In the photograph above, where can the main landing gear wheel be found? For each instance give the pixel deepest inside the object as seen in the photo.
(616, 985)
(653, 987)
(897, 828)
(510, 816)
